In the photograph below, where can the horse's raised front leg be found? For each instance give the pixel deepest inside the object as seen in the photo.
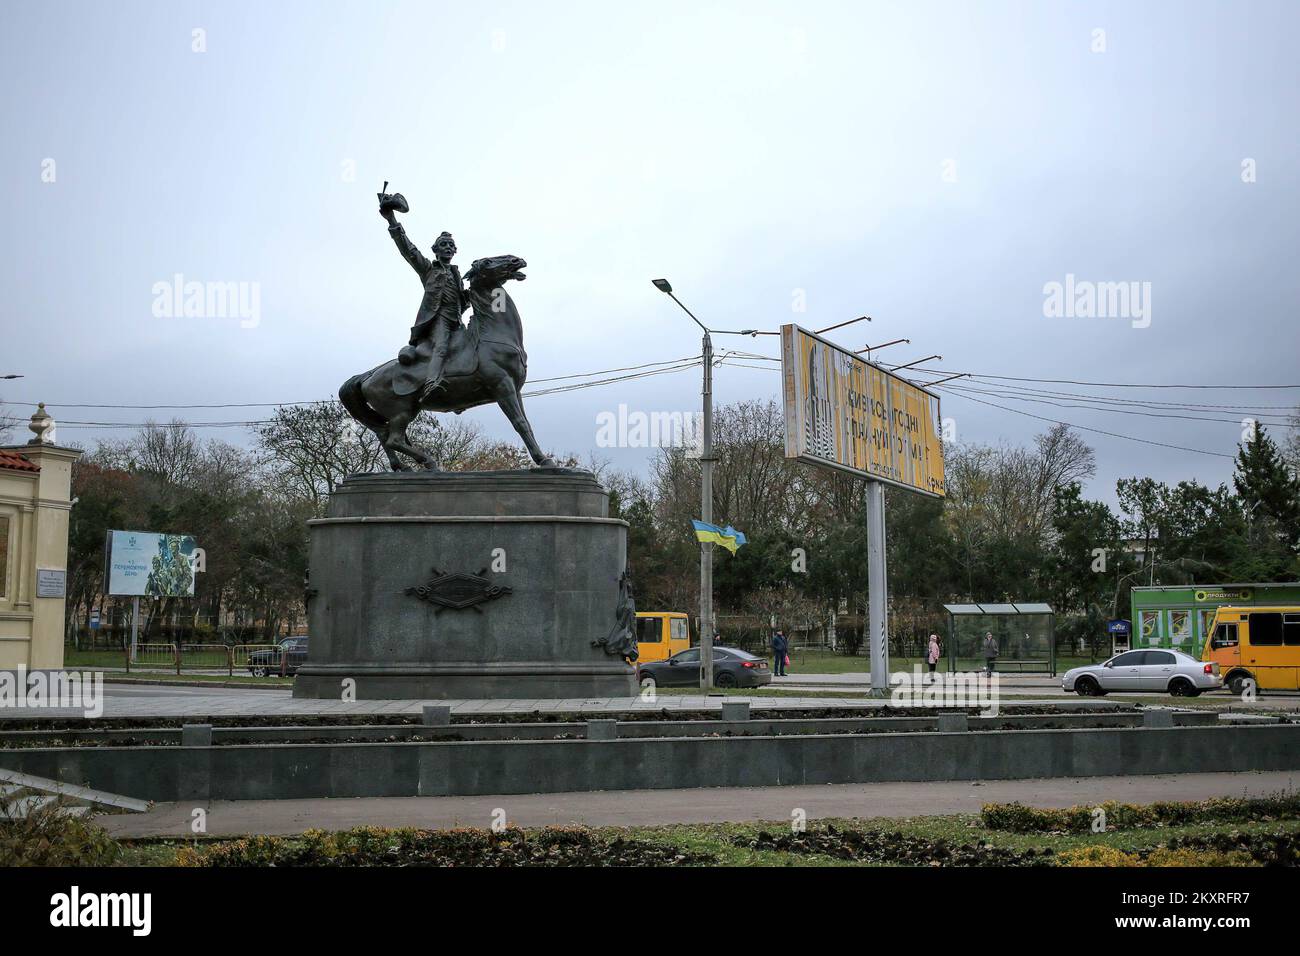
(507, 396)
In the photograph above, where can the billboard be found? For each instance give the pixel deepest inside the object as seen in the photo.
(846, 413)
(147, 564)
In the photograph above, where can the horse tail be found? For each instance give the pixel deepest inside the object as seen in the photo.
(355, 402)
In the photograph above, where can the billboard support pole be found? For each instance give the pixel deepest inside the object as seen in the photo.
(877, 594)
(135, 625)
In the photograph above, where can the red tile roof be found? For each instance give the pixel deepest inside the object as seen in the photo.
(16, 462)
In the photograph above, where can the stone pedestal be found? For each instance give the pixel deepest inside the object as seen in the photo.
(460, 585)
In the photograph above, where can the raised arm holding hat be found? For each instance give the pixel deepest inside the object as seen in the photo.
(438, 318)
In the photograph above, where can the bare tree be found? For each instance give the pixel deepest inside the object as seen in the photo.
(754, 486)
(1063, 459)
(167, 453)
(969, 477)
(309, 449)
(8, 425)
(1006, 494)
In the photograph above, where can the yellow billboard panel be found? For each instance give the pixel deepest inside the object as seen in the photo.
(846, 413)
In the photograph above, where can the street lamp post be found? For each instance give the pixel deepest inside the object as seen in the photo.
(706, 498)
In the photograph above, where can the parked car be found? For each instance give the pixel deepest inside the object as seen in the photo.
(292, 651)
(1152, 671)
(732, 667)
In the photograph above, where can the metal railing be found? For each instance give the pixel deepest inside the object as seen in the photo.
(153, 656)
(269, 658)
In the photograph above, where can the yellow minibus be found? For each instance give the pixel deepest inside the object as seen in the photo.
(661, 634)
(1256, 643)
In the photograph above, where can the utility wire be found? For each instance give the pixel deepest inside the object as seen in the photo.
(1099, 431)
(1067, 381)
(326, 401)
(1114, 411)
(531, 394)
(1095, 402)
(1142, 402)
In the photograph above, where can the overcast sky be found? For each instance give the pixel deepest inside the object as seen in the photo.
(932, 165)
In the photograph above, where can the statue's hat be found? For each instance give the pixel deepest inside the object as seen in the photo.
(393, 201)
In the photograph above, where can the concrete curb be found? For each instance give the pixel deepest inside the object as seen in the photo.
(750, 726)
(110, 679)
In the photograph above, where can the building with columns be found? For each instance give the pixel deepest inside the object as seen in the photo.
(35, 502)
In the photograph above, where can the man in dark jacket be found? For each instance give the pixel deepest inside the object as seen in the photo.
(780, 647)
(990, 653)
(438, 319)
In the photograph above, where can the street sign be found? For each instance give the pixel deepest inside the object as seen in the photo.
(1121, 634)
(846, 413)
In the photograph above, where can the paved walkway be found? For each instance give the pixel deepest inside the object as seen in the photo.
(862, 679)
(651, 807)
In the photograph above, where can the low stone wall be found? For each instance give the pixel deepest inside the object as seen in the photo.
(548, 730)
(286, 771)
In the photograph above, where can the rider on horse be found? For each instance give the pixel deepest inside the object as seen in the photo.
(447, 367)
(438, 320)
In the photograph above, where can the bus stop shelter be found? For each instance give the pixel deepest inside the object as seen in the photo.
(1026, 636)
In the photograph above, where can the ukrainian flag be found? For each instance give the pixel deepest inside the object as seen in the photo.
(727, 537)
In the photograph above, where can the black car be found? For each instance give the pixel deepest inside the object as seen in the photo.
(283, 658)
(731, 668)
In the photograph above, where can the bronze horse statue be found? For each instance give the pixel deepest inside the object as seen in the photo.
(486, 363)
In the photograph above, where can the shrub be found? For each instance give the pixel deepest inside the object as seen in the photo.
(375, 846)
(1096, 856)
(1277, 848)
(1018, 818)
(1186, 856)
(49, 837)
(1160, 856)
(883, 846)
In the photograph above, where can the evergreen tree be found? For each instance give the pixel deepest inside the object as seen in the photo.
(1269, 492)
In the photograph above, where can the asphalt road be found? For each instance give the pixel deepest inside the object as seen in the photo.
(171, 700)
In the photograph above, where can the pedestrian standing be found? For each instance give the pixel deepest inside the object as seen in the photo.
(932, 654)
(990, 653)
(780, 647)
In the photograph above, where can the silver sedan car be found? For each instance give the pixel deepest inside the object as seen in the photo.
(1157, 671)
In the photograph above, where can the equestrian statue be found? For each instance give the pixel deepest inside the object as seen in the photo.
(447, 366)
